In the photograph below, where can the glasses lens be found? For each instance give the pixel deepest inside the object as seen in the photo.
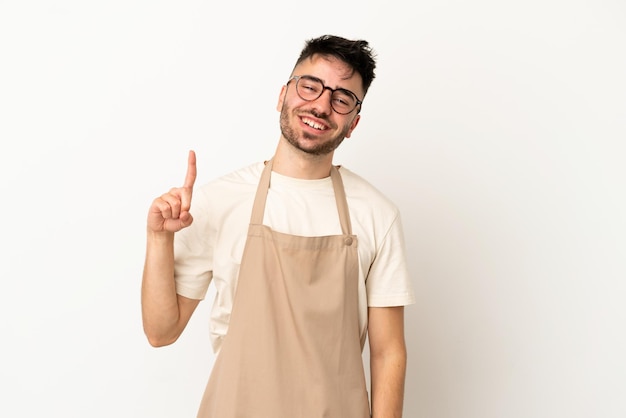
(309, 89)
(343, 101)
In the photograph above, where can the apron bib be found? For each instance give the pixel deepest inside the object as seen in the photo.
(293, 348)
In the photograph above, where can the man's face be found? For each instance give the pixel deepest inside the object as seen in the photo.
(312, 126)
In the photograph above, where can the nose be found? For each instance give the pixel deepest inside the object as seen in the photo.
(322, 103)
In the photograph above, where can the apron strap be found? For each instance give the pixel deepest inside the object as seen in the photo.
(341, 200)
(258, 209)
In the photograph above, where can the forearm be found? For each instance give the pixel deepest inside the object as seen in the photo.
(159, 302)
(388, 371)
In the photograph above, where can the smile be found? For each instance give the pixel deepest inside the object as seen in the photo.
(314, 125)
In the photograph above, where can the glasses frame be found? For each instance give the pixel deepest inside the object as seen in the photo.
(324, 88)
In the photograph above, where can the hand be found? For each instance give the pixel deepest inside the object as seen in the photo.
(170, 212)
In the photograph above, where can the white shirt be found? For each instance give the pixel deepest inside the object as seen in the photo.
(210, 250)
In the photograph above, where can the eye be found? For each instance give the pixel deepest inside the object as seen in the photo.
(309, 86)
(341, 101)
(344, 99)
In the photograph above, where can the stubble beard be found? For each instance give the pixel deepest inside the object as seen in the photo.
(320, 149)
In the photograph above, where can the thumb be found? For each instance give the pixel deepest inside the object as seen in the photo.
(185, 219)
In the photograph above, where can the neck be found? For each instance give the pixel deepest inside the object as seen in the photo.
(292, 162)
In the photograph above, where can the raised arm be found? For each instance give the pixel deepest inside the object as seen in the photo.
(165, 314)
(387, 361)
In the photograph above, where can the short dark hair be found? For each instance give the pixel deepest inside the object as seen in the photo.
(356, 53)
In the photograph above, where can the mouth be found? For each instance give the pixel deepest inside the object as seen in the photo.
(314, 124)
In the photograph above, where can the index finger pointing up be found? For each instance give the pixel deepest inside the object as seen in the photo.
(190, 178)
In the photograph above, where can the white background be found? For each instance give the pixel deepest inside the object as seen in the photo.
(497, 127)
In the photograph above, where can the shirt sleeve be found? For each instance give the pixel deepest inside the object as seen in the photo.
(388, 282)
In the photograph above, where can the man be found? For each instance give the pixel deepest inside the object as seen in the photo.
(307, 259)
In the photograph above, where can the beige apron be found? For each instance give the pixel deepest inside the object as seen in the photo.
(293, 348)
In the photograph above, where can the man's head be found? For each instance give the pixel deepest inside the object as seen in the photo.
(321, 101)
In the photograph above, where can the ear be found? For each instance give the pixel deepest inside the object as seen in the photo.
(353, 125)
(281, 98)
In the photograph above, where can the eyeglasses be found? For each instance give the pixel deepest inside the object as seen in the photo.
(311, 88)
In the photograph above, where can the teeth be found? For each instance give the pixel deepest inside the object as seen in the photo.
(312, 124)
